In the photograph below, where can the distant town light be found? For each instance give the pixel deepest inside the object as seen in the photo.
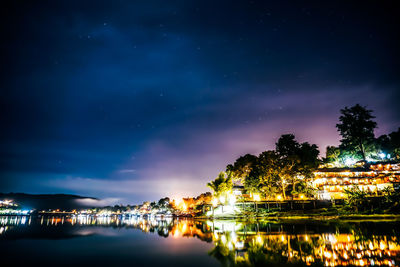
(184, 207)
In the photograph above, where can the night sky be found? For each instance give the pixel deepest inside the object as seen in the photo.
(132, 101)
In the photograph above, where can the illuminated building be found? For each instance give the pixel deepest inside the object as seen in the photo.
(370, 177)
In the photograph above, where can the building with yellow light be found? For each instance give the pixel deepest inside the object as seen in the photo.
(371, 177)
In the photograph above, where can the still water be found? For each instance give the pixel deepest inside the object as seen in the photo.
(131, 241)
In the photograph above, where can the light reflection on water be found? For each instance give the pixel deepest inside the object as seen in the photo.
(239, 243)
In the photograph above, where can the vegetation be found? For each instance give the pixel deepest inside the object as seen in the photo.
(357, 129)
(358, 140)
(222, 184)
(359, 201)
(284, 171)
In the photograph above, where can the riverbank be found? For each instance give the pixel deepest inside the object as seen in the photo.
(319, 215)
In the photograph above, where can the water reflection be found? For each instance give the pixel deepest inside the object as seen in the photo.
(239, 243)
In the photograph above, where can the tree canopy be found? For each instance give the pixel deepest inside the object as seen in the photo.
(287, 169)
(222, 184)
(278, 171)
(242, 167)
(357, 129)
(390, 144)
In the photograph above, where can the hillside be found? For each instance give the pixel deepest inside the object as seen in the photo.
(47, 201)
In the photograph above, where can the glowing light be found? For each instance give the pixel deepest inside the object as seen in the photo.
(259, 239)
(327, 254)
(184, 207)
(223, 239)
(349, 161)
(222, 199)
(279, 197)
(371, 246)
(180, 204)
(382, 155)
(214, 202)
(216, 236)
(233, 237)
(256, 197)
(302, 196)
(232, 199)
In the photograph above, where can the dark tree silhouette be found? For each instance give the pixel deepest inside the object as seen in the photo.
(356, 128)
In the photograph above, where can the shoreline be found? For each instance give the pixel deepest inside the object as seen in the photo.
(282, 216)
(315, 217)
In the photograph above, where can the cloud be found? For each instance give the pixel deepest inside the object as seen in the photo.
(127, 171)
(90, 202)
(127, 190)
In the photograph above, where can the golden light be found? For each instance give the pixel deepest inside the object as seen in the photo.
(176, 233)
(302, 196)
(178, 201)
(216, 236)
(184, 207)
(328, 254)
(223, 239)
(256, 197)
(259, 240)
(180, 204)
(232, 199)
(233, 238)
(279, 197)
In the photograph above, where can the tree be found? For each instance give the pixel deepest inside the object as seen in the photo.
(356, 128)
(390, 144)
(164, 202)
(222, 184)
(308, 155)
(395, 144)
(355, 198)
(282, 169)
(297, 162)
(287, 145)
(332, 154)
(242, 167)
(264, 176)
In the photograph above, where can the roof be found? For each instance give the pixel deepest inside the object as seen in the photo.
(238, 187)
(346, 169)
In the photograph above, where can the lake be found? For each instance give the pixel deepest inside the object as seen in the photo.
(131, 241)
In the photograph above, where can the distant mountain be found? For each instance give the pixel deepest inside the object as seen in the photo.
(48, 201)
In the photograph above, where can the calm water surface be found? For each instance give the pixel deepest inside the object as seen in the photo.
(124, 241)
